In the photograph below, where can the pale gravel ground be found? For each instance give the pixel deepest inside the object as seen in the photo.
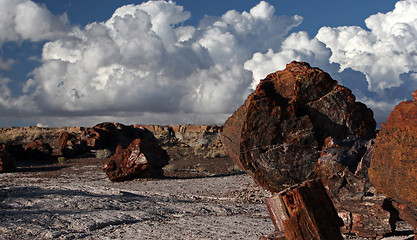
(86, 205)
(89, 206)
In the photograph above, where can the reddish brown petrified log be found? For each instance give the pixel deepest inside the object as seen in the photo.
(141, 159)
(277, 135)
(305, 211)
(393, 168)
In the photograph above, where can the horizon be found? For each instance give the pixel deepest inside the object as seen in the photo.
(69, 63)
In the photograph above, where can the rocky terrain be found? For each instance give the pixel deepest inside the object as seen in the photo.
(203, 195)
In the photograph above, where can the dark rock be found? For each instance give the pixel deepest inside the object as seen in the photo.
(141, 159)
(393, 168)
(7, 160)
(38, 150)
(69, 145)
(17, 151)
(304, 211)
(343, 167)
(109, 135)
(277, 135)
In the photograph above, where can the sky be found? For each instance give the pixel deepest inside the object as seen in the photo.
(78, 63)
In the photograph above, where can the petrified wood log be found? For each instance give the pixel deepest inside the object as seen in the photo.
(305, 211)
(393, 169)
(141, 159)
(277, 135)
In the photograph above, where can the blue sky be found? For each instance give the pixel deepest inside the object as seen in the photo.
(83, 62)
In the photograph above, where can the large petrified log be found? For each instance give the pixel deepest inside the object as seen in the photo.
(393, 169)
(277, 134)
(304, 211)
(141, 159)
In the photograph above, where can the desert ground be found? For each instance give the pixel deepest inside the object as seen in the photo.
(75, 200)
(198, 198)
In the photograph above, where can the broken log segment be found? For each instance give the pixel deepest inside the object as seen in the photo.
(305, 211)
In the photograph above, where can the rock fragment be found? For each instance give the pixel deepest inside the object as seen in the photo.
(141, 159)
(69, 145)
(304, 211)
(343, 169)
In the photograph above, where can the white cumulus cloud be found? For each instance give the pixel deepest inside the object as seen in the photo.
(26, 20)
(144, 60)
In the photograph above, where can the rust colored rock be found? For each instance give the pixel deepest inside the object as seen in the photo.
(110, 135)
(141, 159)
(393, 168)
(277, 135)
(64, 138)
(305, 211)
(7, 160)
(232, 130)
(38, 150)
(69, 145)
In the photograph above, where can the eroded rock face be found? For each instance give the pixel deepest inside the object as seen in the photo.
(110, 135)
(393, 168)
(141, 159)
(277, 135)
(7, 160)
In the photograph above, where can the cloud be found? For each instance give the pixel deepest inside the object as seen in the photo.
(6, 65)
(26, 20)
(144, 61)
(296, 47)
(379, 63)
(384, 52)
